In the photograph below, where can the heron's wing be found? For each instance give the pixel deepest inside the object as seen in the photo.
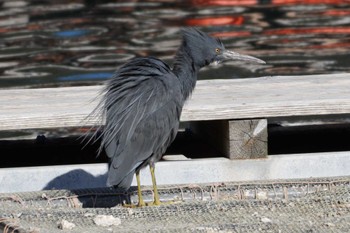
(143, 99)
(151, 137)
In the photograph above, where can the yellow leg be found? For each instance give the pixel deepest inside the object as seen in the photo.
(155, 189)
(156, 201)
(139, 193)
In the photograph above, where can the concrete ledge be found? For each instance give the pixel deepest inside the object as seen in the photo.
(212, 170)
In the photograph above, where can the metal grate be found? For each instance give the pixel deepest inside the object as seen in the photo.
(311, 205)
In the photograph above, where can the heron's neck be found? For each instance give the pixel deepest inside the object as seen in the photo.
(186, 70)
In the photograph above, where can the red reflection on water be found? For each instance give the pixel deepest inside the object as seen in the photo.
(257, 2)
(336, 12)
(285, 2)
(211, 21)
(231, 34)
(320, 30)
(29, 27)
(224, 2)
(330, 46)
(4, 30)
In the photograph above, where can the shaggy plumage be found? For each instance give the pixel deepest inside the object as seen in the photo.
(144, 100)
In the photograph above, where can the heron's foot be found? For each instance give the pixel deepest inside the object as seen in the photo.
(159, 203)
(154, 203)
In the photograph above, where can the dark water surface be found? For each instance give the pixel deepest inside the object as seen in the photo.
(63, 43)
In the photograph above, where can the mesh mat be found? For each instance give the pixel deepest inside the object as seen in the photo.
(312, 205)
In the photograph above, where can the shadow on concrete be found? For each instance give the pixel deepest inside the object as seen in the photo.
(77, 179)
(89, 190)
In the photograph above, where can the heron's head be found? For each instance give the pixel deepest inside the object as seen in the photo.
(205, 49)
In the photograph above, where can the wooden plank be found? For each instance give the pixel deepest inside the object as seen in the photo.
(279, 96)
(214, 170)
(235, 139)
(265, 97)
(47, 107)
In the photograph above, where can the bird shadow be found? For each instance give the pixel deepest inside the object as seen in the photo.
(89, 191)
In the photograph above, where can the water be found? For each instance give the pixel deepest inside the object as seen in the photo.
(64, 43)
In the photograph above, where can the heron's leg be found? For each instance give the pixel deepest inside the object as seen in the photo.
(139, 193)
(155, 189)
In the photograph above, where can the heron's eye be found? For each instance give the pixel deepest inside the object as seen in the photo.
(217, 50)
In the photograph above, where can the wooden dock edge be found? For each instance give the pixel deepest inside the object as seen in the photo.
(234, 99)
(214, 170)
(232, 115)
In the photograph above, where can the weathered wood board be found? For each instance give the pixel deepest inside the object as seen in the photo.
(265, 97)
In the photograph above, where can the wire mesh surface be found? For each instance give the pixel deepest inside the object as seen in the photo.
(311, 205)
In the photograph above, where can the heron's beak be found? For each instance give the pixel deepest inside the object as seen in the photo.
(230, 55)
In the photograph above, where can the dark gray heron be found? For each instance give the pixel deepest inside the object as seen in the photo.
(143, 104)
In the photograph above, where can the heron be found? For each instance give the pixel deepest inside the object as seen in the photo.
(142, 105)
